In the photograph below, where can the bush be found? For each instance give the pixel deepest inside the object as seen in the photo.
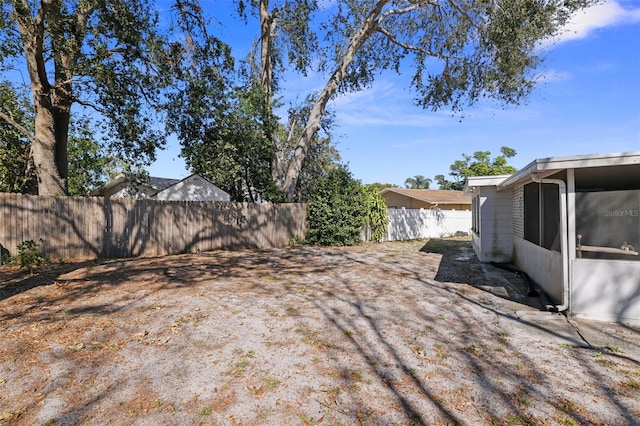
(30, 255)
(5, 257)
(377, 214)
(337, 210)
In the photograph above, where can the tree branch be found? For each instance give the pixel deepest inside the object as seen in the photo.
(20, 128)
(39, 40)
(411, 47)
(467, 16)
(89, 105)
(406, 10)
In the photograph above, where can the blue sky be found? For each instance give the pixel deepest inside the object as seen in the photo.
(588, 102)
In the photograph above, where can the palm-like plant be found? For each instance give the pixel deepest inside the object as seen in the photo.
(417, 182)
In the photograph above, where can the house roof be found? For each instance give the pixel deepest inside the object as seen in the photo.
(432, 196)
(107, 186)
(162, 183)
(156, 183)
(543, 167)
(474, 181)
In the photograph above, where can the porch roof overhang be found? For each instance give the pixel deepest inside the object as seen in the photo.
(544, 167)
(482, 181)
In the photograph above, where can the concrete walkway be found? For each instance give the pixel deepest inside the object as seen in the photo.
(557, 327)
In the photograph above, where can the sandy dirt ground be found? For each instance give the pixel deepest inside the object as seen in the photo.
(390, 334)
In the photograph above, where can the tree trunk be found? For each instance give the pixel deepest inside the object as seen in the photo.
(267, 30)
(266, 35)
(46, 153)
(320, 105)
(51, 103)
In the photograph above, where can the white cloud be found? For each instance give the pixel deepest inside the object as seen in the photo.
(391, 117)
(552, 75)
(607, 14)
(383, 104)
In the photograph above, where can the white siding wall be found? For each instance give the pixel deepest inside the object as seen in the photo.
(413, 224)
(542, 265)
(494, 244)
(607, 290)
(193, 188)
(141, 192)
(518, 212)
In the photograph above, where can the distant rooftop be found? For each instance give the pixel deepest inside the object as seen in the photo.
(161, 183)
(432, 196)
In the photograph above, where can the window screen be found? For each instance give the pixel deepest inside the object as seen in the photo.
(542, 215)
(550, 217)
(609, 219)
(475, 214)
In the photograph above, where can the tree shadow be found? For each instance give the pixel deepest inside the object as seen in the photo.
(439, 350)
(14, 281)
(95, 227)
(460, 264)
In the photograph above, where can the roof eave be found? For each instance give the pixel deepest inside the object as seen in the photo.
(111, 184)
(544, 167)
(476, 181)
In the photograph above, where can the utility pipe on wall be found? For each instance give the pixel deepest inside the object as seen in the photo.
(564, 244)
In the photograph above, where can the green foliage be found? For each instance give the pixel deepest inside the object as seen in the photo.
(337, 211)
(480, 164)
(445, 184)
(5, 256)
(29, 255)
(16, 170)
(380, 186)
(17, 173)
(88, 162)
(417, 182)
(223, 139)
(114, 58)
(296, 240)
(463, 51)
(322, 155)
(377, 213)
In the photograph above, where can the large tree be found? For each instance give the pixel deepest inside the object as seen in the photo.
(463, 50)
(478, 164)
(89, 163)
(223, 139)
(108, 56)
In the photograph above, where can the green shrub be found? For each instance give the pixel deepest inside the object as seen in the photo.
(337, 210)
(29, 254)
(5, 257)
(377, 214)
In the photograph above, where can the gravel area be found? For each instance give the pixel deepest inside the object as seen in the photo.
(396, 333)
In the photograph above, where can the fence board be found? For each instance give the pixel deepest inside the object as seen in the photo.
(89, 227)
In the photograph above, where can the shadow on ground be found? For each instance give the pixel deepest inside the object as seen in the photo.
(459, 264)
(395, 333)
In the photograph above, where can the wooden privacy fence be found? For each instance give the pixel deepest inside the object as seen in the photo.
(90, 227)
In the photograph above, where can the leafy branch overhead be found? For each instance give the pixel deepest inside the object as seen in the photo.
(478, 164)
(462, 51)
(126, 64)
(113, 58)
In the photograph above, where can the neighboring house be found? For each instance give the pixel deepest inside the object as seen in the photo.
(572, 224)
(396, 198)
(192, 188)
